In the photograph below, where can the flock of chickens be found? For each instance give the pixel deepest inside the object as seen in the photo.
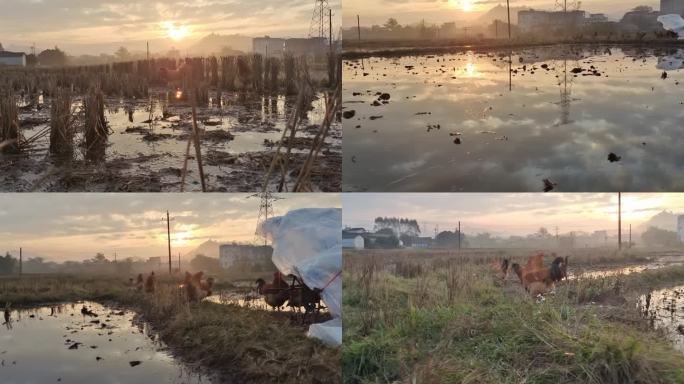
(535, 277)
(194, 286)
(296, 294)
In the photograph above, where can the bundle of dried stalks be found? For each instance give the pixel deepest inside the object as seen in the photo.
(96, 131)
(290, 65)
(9, 125)
(62, 129)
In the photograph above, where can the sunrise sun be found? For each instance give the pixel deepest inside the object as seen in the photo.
(176, 32)
(465, 5)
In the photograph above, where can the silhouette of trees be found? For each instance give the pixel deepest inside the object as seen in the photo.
(7, 264)
(52, 57)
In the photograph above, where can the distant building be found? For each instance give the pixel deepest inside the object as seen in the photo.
(596, 18)
(14, 59)
(352, 238)
(277, 47)
(531, 20)
(422, 242)
(680, 227)
(643, 19)
(234, 255)
(314, 46)
(668, 7)
(268, 46)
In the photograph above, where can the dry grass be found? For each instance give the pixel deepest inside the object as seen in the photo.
(412, 318)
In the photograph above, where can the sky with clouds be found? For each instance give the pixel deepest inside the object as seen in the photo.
(90, 26)
(509, 214)
(439, 11)
(76, 226)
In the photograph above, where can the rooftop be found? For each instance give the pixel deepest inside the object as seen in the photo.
(11, 54)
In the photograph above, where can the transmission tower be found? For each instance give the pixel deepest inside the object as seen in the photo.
(320, 23)
(265, 211)
(568, 6)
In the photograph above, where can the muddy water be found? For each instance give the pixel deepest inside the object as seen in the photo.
(466, 122)
(35, 348)
(665, 309)
(156, 149)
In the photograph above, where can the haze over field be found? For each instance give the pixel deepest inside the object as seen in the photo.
(465, 11)
(509, 214)
(63, 227)
(101, 26)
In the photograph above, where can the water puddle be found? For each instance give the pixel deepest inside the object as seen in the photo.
(506, 121)
(59, 344)
(665, 310)
(149, 138)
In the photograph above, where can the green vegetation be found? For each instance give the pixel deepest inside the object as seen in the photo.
(448, 320)
(242, 345)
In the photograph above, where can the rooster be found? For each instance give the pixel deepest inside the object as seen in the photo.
(276, 293)
(538, 279)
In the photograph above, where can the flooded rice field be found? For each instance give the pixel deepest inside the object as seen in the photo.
(566, 118)
(665, 309)
(60, 344)
(149, 139)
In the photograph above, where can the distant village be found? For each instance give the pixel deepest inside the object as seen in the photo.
(665, 229)
(525, 22)
(212, 44)
(230, 258)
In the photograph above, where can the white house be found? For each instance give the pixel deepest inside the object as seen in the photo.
(353, 238)
(351, 241)
(15, 59)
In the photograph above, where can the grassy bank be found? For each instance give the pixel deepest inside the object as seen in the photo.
(239, 344)
(452, 322)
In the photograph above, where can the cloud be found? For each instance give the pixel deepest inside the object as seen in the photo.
(76, 226)
(81, 25)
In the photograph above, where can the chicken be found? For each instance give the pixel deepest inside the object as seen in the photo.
(538, 279)
(150, 283)
(140, 282)
(276, 293)
(195, 288)
(301, 296)
(500, 268)
(8, 314)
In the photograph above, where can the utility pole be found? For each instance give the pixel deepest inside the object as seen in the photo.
(619, 220)
(114, 257)
(330, 21)
(630, 236)
(508, 6)
(459, 234)
(358, 27)
(168, 236)
(179, 265)
(21, 261)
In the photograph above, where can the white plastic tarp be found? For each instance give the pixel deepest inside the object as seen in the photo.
(673, 23)
(308, 243)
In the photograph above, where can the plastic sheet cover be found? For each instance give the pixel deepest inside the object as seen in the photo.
(308, 243)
